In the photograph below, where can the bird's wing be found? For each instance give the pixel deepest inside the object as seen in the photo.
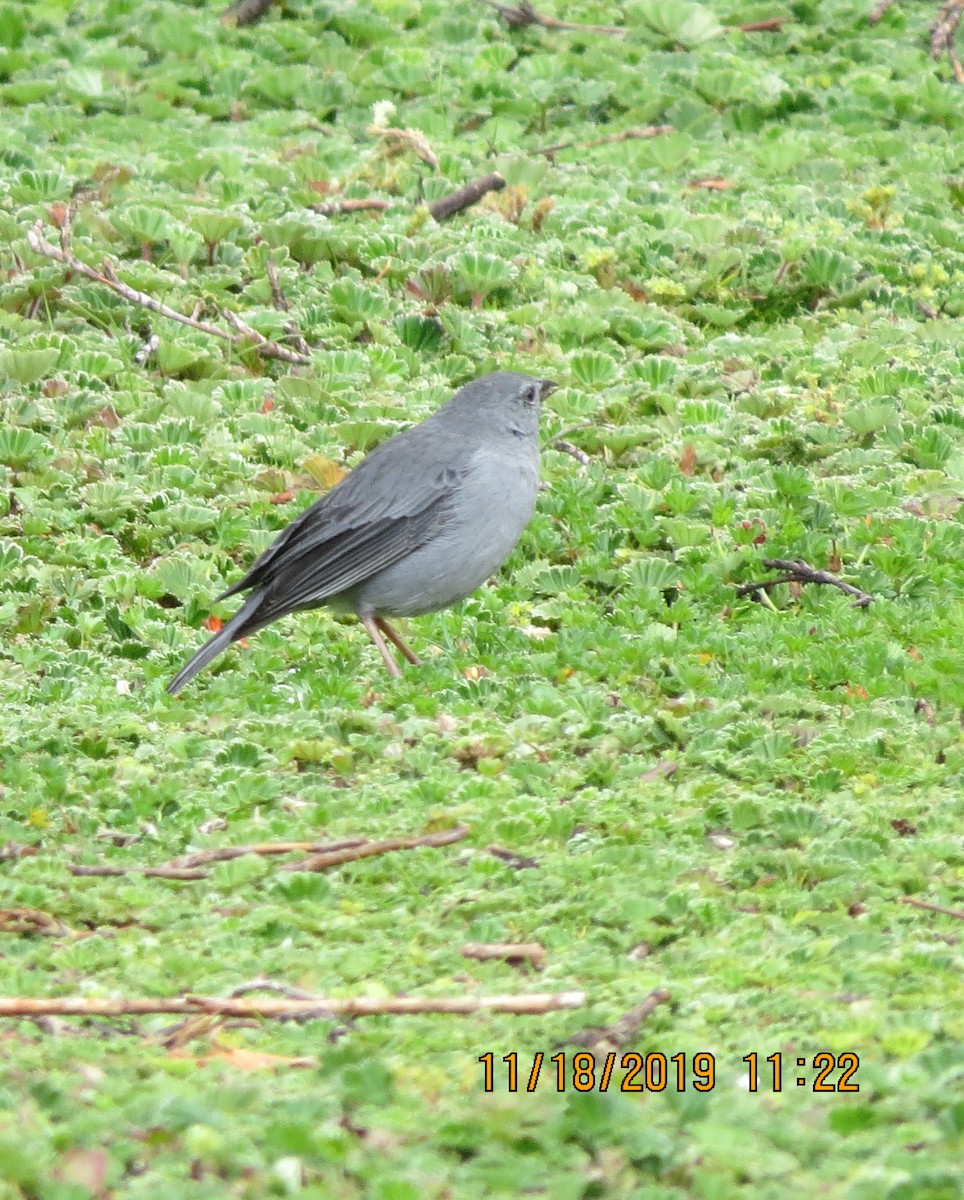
(303, 577)
(380, 511)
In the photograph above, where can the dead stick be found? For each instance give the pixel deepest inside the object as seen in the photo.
(360, 1006)
(225, 853)
(944, 28)
(625, 135)
(334, 207)
(153, 872)
(938, 908)
(278, 298)
(565, 447)
(525, 14)
(878, 12)
(798, 571)
(465, 196)
(623, 1031)
(245, 12)
(505, 951)
(334, 858)
(108, 278)
(768, 25)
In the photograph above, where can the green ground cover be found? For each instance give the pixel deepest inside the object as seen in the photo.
(755, 322)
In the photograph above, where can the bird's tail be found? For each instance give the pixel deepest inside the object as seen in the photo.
(243, 622)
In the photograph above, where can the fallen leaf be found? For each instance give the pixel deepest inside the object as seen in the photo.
(687, 460)
(322, 470)
(213, 624)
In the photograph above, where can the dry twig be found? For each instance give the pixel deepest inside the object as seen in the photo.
(797, 571)
(245, 12)
(518, 862)
(465, 196)
(938, 908)
(34, 920)
(162, 872)
(573, 451)
(525, 14)
(200, 858)
(767, 25)
(395, 140)
(639, 132)
(332, 208)
(106, 276)
(321, 1006)
(878, 12)
(334, 858)
(942, 35)
(510, 952)
(322, 855)
(622, 1031)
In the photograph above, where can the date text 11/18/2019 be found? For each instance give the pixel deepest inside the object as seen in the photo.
(584, 1071)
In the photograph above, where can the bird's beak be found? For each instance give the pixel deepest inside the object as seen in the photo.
(547, 387)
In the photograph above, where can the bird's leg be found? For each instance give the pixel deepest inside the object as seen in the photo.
(374, 633)
(393, 634)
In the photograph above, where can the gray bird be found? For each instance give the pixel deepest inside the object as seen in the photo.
(418, 525)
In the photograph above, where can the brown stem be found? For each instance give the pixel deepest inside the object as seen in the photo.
(942, 35)
(108, 278)
(506, 952)
(226, 853)
(465, 196)
(625, 135)
(272, 1009)
(768, 25)
(938, 908)
(877, 13)
(565, 447)
(797, 571)
(334, 207)
(245, 12)
(622, 1031)
(334, 858)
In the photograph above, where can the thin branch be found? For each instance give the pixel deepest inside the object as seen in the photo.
(573, 451)
(245, 12)
(463, 197)
(334, 207)
(334, 858)
(322, 855)
(525, 14)
(270, 1009)
(151, 872)
(108, 278)
(201, 858)
(767, 25)
(797, 571)
(395, 140)
(518, 862)
(625, 135)
(879, 11)
(511, 952)
(622, 1031)
(942, 35)
(278, 298)
(938, 908)
(34, 921)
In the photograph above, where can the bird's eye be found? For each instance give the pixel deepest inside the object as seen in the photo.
(533, 393)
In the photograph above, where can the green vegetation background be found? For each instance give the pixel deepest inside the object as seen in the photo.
(755, 322)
